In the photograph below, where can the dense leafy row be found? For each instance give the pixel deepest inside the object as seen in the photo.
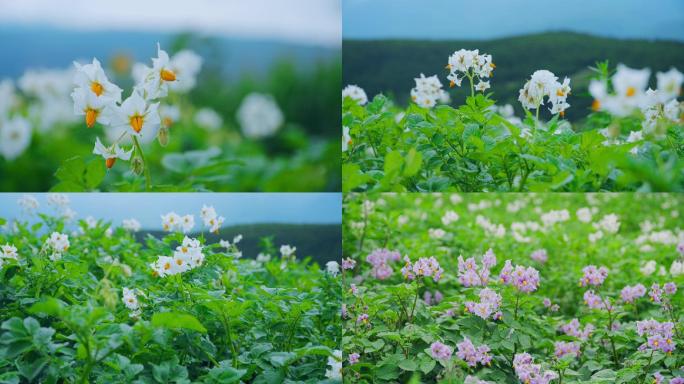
(630, 143)
(94, 305)
(504, 288)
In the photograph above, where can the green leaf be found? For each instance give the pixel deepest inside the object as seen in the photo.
(94, 173)
(176, 320)
(408, 365)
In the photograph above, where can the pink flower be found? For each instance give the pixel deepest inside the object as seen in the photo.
(423, 267)
(473, 355)
(490, 302)
(629, 294)
(562, 348)
(380, 260)
(528, 372)
(573, 329)
(440, 351)
(593, 275)
(523, 279)
(540, 256)
(354, 358)
(363, 319)
(348, 263)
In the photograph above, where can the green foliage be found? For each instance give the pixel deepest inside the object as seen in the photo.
(471, 148)
(404, 318)
(227, 321)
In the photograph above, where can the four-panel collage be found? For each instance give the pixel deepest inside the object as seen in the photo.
(505, 205)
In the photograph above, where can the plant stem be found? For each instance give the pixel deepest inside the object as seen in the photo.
(650, 358)
(229, 334)
(415, 300)
(146, 169)
(517, 301)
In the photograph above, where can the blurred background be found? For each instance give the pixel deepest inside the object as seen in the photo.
(387, 43)
(309, 221)
(289, 50)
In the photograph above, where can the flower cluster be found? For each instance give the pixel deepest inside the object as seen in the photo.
(490, 302)
(355, 93)
(424, 267)
(380, 259)
(563, 348)
(473, 355)
(172, 222)
(540, 256)
(629, 90)
(471, 64)
(428, 91)
(593, 276)
(348, 263)
(259, 116)
(187, 256)
(629, 294)
(7, 251)
(656, 293)
(573, 328)
(470, 275)
(28, 204)
(594, 301)
(659, 335)
(542, 84)
(528, 372)
(440, 351)
(132, 225)
(523, 279)
(130, 300)
(449, 217)
(58, 243)
(211, 219)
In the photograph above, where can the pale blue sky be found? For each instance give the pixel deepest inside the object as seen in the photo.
(237, 208)
(468, 19)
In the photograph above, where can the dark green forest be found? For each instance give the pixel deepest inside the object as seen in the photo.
(389, 66)
(321, 242)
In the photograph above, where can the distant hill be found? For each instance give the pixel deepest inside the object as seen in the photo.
(51, 47)
(323, 242)
(389, 66)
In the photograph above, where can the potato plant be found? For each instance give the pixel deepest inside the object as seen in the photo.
(632, 140)
(91, 304)
(508, 288)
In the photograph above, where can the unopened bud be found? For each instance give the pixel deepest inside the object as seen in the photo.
(163, 136)
(137, 165)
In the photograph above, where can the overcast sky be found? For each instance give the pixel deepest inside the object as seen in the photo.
(468, 19)
(305, 21)
(237, 208)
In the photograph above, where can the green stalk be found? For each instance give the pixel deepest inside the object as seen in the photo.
(146, 169)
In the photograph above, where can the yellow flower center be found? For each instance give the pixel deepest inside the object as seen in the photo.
(136, 122)
(596, 105)
(97, 88)
(91, 117)
(631, 91)
(167, 266)
(167, 75)
(179, 261)
(109, 163)
(167, 121)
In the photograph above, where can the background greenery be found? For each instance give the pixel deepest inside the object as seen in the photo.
(389, 66)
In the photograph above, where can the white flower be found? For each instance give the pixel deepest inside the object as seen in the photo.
(677, 268)
(482, 86)
(428, 91)
(671, 111)
(185, 64)
(335, 363)
(259, 116)
(15, 137)
(130, 299)
(648, 268)
(669, 84)
(28, 204)
(94, 108)
(187, 223)
(171, 222)
(162, 266)
(630, 83)
(466, 63)
(356, 93)
(187, 256)
(137, 116)
(92, 79)
(237, 239)
(542, 84)
(208, 118)
(225, 244)
(8, 98)
(287, 250)
(609, 223)
(346, 139)
(211, 219)
(584, 215)
(169, 114)
(449, 217)
(332, 267)
(132, 225)
(110, 154)
(58, 243)
(8, 252)
(58, 200)
(153, 83)
(436, 233)
(263, 258)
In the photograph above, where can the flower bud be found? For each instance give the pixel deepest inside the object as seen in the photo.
(137, 165)
(163, 136)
